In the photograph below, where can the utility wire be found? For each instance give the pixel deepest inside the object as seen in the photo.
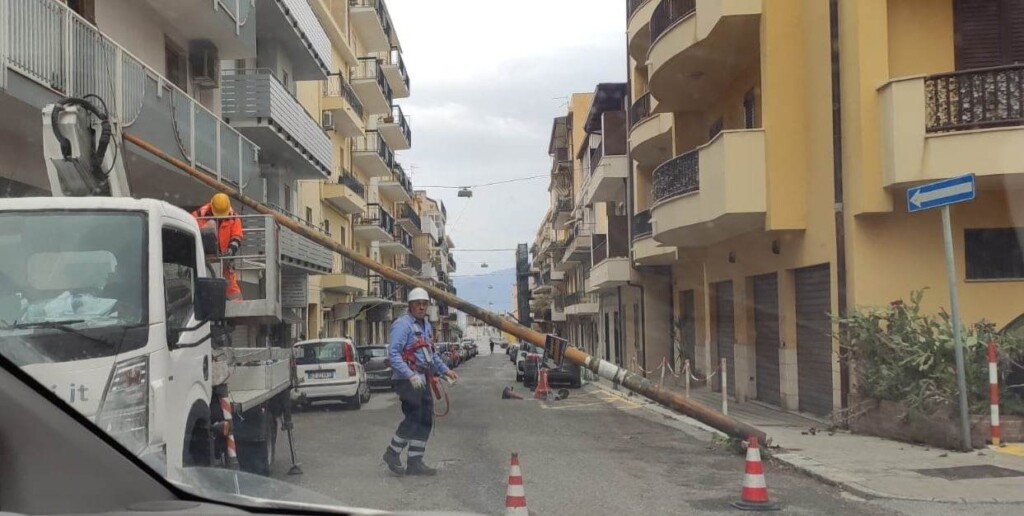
(485, 184)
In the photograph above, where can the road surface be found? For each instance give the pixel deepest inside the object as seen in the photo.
(594, 453)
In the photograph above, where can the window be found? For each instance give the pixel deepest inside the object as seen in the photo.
(176, 61)
(285, 79)
(287, 194)
(341, 234)
(987, 33)
(748, 111)
(994, 253)
(85, 8)
(179, 266)
(327, 227)
(309, 216)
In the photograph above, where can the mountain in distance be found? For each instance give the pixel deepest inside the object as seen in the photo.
(491, 291)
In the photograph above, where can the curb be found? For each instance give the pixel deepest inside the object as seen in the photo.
(796, 461)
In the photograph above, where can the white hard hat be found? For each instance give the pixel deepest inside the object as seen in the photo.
(418, 294)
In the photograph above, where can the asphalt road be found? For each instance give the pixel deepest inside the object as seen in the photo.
(593, 453)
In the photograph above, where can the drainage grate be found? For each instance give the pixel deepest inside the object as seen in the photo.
(970, 472)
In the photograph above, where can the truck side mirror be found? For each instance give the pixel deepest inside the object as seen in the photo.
(210, 299)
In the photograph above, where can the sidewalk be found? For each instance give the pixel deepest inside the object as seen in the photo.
(875, 467)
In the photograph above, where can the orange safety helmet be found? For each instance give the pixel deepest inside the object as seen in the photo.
(220, 204)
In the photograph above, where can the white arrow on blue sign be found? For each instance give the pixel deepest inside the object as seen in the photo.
(940, 193)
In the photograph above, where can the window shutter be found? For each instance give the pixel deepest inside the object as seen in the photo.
(1014, 19)
(976, 29)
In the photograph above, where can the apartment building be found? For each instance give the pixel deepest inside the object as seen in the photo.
(432, 247)
(210, 83)
(772, 143)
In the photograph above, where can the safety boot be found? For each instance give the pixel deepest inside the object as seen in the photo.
(394, 462)
(418, 467)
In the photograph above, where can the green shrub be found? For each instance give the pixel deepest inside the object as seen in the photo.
(899, 354)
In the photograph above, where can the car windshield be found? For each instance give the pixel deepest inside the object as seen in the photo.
(634, 246)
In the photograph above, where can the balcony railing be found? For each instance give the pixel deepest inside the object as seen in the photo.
(369, 68)
(640, 109)
(308, 223)
(667, 13)
(451, 262)
(312, 32)
(398, 173)
(374, 142)
(677, 176)
(564, 204)
(632, 6)
(337, 86)
(642, 224)
(354, 269)
(256, 93)
(382, 287)
(402, 236)
(50, 44)
(974, 99)
(380, 9)
(411, 261)
(376, 214)
(409, 213)
(579, 297)
(346, 178)
(394, 57)
(398, 117)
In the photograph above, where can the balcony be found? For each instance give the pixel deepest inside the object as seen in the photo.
(609, 162)
(948, 124)
(341, 100)
(712, 193)
(349, 278)
(577, 249)
(451, 264)
(581, 303)
(410, 264)
(348, 195)
(372, 86)
(650, 134)
(400, 243)
(261, 108)
(35, 71)
(638, 27)
(375, 225)
(398, 187)
(372, 22)
(645, 250)
(394, 128)
(394, 70)
(611, 263)
(228, 24)
(409, 219)
(291, 27)
(698, 49)
(563, 210)
(382, 289)
(372, 155)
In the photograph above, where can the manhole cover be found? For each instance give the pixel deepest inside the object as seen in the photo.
(971, 472)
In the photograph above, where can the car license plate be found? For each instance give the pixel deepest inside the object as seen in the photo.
(319, 375)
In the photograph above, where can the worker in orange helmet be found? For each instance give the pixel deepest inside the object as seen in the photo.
(229, 235)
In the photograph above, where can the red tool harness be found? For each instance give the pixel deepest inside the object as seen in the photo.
(409, 357)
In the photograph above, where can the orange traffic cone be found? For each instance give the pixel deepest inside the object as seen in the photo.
(507, 394)
(542, 391)
(515, 496)
(755, 490)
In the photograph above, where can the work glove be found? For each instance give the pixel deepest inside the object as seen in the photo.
(233, 247)
(417, 382)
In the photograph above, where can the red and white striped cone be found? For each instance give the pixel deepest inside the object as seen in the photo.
(542, 390)
(755, 489)
(993, 391)
(515, 496)
(229, 436)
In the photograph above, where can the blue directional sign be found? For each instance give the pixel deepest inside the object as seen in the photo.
(940, 193)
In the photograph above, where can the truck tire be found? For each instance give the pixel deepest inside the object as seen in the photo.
(258, 457)
(197, 448)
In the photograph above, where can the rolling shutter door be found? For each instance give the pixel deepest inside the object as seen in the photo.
(725, 332)
(813, 343)
(988, 33)
(766, 339)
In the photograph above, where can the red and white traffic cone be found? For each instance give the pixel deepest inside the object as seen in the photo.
(542, 390)
(229, 434)
(755, 489)
(515, 496)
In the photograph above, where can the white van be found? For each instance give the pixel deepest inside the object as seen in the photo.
(329, 369)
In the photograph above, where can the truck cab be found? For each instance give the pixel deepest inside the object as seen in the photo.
(107, 301)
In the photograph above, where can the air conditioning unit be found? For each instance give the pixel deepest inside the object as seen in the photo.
(327, 120)
(204, 64)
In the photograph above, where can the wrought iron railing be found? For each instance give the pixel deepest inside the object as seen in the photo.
(408, 213)
(974, 99)
(411, 261)
(381, 10)
(640, 109)
(579, 297)
(346, 178)
(398, 117)
(376, 214)
(354, 269)
(564, 204)
(337, 86)
(677, 176)
(382, 287)
(667, 13)
(374, 142)
(642, 224)
(632, 6)
(402, 236)
(398, 173)
(600, 248)
(369, 68)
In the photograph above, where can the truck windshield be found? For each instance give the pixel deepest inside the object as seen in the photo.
(72, 284)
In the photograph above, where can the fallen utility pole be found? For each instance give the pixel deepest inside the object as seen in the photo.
(602, 368)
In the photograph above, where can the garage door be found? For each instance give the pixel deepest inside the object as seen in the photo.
(813, 344)
(725, 332)
(766, 338)
(689, 329)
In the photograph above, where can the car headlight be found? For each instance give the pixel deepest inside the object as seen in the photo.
(124, 409)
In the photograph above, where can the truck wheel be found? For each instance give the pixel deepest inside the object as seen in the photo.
(258, 457)
(576, 383)
(196, 450)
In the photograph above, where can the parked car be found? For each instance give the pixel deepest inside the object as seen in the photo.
(471, 346)
(377, 365)
(446, 354)
(526, 353)
(513, 352)
(569, 374)
(329, 370)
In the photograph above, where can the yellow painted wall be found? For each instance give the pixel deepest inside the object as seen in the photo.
(920, 37)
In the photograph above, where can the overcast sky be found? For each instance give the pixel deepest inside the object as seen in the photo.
(487, 77)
